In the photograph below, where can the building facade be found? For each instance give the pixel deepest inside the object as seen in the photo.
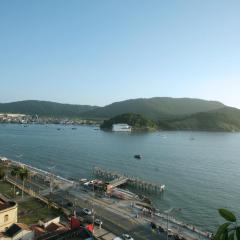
(121, 127)
(18, 231)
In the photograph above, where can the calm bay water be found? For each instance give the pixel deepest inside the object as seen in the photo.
(201, 175)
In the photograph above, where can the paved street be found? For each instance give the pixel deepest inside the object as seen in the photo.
(116, 220)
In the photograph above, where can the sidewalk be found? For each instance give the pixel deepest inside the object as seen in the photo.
(174, 227)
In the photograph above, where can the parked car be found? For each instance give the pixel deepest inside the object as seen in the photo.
(127, 237)
(98, 222)
(87, 211)
(117, 238)
(177, 237)
(83, 180)
(69, 204)
(153, 225)
(170, 233)
(160, 229)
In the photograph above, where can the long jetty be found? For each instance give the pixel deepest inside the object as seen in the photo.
(116, 179)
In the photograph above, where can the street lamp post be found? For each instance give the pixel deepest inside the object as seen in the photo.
(93, 189)
(168, 212)
(93, 216)
(51, 176)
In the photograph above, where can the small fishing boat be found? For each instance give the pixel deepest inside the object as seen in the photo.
(138, 156)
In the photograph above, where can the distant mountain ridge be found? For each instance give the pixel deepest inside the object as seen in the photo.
(153, 108)
(45, 108)
(166, 113)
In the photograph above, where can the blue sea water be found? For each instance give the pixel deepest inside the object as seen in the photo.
(201, 170)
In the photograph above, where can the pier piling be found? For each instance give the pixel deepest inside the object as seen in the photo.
(119, 179)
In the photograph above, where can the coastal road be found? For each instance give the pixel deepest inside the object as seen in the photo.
(114, 220)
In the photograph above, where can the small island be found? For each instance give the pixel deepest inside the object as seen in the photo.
(136, 121)
(222, 120)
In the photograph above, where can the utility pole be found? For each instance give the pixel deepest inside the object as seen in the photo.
(92, 208)
(168, 212)
(51, 175)
(93, 212)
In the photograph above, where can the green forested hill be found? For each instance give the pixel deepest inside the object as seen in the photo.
(137, 121)
(224, 119)
(44, 108)
(155, 108)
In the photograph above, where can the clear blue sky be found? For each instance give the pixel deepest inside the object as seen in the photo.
(98, 52)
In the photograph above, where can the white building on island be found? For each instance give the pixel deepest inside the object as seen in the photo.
(121, 127)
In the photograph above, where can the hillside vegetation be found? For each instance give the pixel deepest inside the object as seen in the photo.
(155, 108)
(224, 119)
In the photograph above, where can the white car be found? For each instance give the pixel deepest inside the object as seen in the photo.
(98, 222)
(127, 237)
(117, 238)
(87, 211)
(83, 180)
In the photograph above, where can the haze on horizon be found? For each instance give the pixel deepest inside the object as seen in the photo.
(99, 52)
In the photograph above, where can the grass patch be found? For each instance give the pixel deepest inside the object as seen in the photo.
(6, 189)
(31, 210)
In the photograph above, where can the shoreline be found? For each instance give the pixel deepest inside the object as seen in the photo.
(71, 183)
(134, 131)
(35, 169)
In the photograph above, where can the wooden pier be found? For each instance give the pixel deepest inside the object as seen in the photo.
(116, 179)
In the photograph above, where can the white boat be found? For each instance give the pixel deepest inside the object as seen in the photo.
(162, 188)
(3, 159)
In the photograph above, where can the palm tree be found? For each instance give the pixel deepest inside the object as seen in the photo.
(2, 173)
(15, 173)
(23, 174)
